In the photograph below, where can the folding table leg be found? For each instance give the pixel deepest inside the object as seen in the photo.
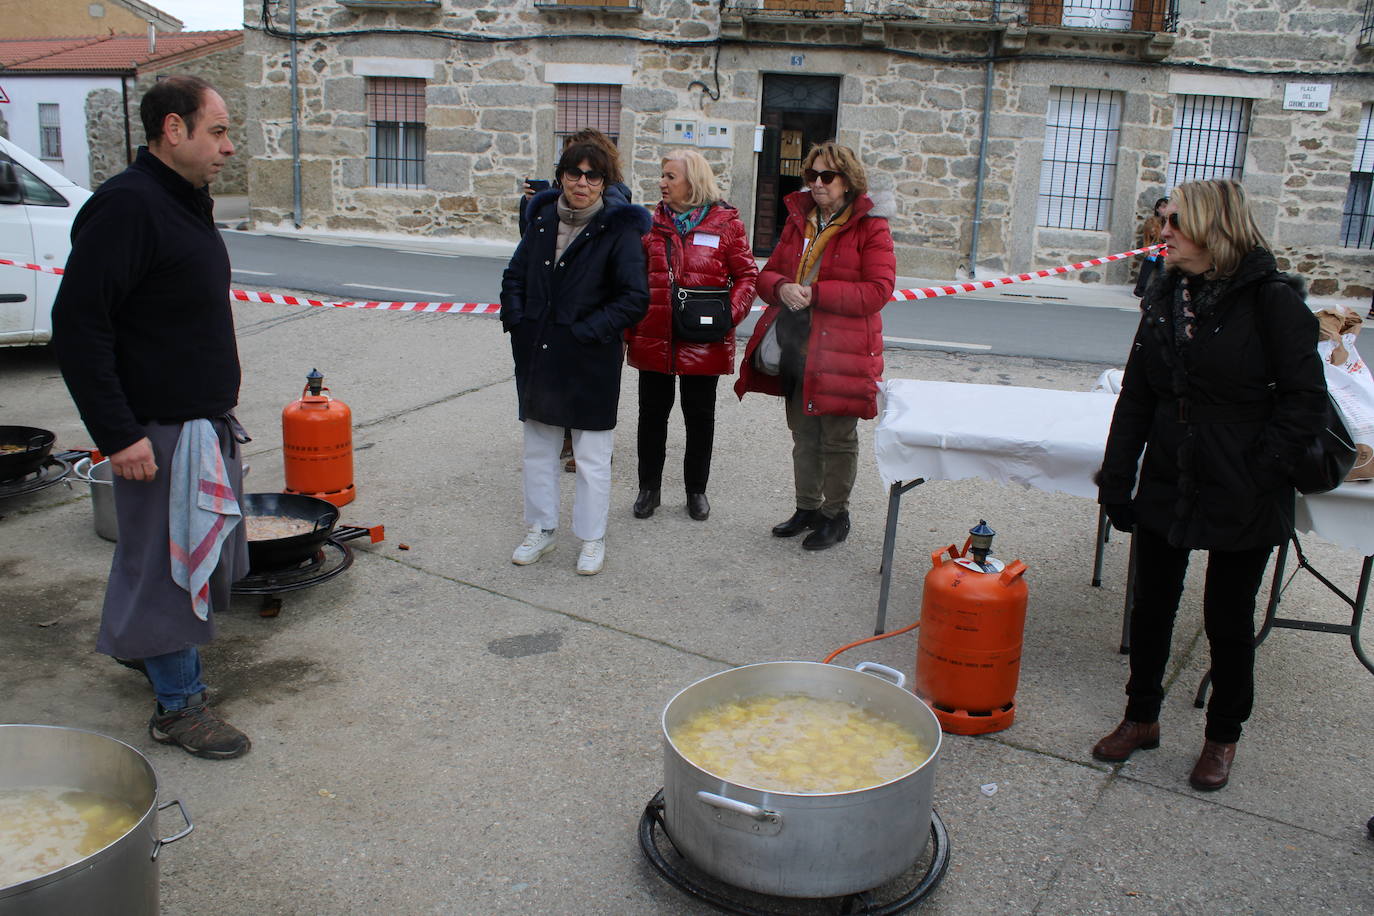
(894, 503)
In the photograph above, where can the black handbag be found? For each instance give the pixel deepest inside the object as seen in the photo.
(1328, 458)
(1331, 454)
(700, 315)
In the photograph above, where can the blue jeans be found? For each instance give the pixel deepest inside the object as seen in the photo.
(175, 677)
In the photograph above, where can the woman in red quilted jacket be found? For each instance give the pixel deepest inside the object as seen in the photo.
(698, 241)
(828, 278)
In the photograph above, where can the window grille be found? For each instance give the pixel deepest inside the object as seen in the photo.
(1357, 219)
(49, 132)
(1367, 24)
(1078, 168)
(396, 131)
(583, 105)
(1139, 15)
(1210, 132)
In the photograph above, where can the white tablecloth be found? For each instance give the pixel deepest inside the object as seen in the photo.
(1037, 437)
(1049, 440)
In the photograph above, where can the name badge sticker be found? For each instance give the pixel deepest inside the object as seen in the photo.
(706, 240)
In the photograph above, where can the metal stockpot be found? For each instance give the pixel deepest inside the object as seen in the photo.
(121, 878)
(100, 476)
(800, 845)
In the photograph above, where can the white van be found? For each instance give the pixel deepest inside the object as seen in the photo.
(37, 206)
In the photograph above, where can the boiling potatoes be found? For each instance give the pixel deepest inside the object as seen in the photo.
(46, 828)
(798, 744)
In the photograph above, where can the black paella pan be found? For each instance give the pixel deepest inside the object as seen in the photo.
(283, 553)
(23, 449)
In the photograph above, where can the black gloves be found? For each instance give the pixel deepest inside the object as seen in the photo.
(1121, 515)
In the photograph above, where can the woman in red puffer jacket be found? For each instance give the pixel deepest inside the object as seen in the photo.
(698, 239)
(826, 282)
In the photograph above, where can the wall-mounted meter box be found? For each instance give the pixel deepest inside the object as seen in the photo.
(679, 130)
(716, 134)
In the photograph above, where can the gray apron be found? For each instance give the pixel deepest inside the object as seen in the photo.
(145, 612)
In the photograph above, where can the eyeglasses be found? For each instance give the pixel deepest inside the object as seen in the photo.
(593, 177)
(827, 176)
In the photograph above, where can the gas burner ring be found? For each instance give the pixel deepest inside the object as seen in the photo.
(728, 899)
(53, 470)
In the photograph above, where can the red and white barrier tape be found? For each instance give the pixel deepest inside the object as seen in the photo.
(492, 308)
(38, 267)
(931, 292)
(466, 308)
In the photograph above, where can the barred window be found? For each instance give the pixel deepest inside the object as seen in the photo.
(396, 132)
(1078, 168)
(1142, 15)
(583, 105)
(1357, 219)
(49, 132)
(1210, 132)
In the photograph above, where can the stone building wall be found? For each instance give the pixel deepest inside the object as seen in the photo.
(911, 104)
(105, 135)
(105, 125)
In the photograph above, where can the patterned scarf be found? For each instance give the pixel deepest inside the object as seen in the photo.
(1195, 300)
(686, 222)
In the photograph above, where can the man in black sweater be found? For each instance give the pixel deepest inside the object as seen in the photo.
(144, 335)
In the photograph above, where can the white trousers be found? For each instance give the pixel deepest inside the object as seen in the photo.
(544, 469)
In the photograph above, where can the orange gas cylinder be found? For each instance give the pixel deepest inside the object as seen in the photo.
(968, 654)
(317, 441)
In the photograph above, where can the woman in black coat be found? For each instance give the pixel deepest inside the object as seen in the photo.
(576, 282)
(1223, 391)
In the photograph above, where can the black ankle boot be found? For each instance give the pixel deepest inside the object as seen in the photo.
(830, 533)
(801, 520)
(646, 503)
(698, 507)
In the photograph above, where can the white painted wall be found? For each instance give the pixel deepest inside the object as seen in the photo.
(26, 93)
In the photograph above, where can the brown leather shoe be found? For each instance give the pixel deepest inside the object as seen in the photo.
(1126, 739)
(1213, 767)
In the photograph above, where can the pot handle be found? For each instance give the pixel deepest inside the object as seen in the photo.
(176, 836)
(882, 671)
(738, 808)
(82, 470)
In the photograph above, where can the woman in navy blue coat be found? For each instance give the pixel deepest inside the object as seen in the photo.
(576, 282)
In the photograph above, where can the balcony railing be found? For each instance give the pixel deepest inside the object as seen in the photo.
(1367, 24)
(1132, 15)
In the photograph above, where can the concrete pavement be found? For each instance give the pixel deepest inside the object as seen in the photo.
(439, 731)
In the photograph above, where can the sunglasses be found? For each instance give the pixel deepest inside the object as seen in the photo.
(593, 177)
(1173, 221)
(827, 176)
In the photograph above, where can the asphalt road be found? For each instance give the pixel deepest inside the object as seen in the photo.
(1004, 324)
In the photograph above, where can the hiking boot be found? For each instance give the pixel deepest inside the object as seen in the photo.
(198, 730)
(537, 543)
(592, 557)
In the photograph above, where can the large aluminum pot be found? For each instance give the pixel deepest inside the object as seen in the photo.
(121, 878)
(100, 476)
(800, 845)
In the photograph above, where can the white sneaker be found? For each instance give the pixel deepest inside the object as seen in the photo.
(537, 543)
(592, 557)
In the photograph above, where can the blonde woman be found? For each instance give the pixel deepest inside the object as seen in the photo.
(697, 240)
(1223, 391)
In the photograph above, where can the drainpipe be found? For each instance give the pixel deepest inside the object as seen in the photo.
(982, 150)
(124, 107)
(295, 128)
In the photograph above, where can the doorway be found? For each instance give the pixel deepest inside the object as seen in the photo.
(797, 111)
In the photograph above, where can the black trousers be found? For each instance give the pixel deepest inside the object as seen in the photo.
(656, 390)
(1228, 617)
